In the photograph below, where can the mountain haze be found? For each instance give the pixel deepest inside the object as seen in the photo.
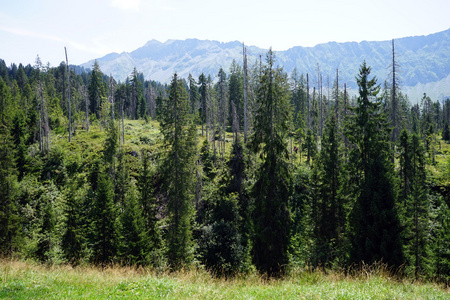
(424, 61)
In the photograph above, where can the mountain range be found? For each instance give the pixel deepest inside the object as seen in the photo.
(424, 61)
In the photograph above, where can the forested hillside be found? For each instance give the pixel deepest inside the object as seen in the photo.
(258, 169)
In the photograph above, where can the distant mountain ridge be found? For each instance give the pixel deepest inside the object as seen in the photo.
(424, 61)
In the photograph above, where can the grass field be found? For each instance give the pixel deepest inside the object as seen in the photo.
(27, 280)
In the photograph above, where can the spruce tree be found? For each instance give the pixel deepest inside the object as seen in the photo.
(96, 90)
(104, 226)
(416, 208)
(134, 246)
(224, 241)
(375, 226)
(178, 174)
(446, 132)
(331, 216)
(148, 206)
(9, 216)
(72, 240)
(441, 239)
(193, 96)
(272, 189)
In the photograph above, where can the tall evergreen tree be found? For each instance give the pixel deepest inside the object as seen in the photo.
(178, 173)
(272, 188)
(375, 226)
(104, 227)
(331, 216)
(134, 246)
(73, 237)
(148, 205)
(9, 217)
(96, 90)
(415, 206)
(203, 90)
(137, 101)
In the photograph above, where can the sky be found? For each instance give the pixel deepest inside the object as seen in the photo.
(93, 28)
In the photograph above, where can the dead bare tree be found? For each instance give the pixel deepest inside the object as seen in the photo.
(68, 92)
(245, 93)
(86, 98)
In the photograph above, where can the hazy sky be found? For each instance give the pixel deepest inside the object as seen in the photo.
(93, 28)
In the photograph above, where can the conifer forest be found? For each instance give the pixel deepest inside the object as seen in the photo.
(248, 170)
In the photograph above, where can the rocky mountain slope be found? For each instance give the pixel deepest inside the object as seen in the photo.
(424, 61)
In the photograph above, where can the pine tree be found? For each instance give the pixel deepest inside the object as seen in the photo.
(137, 105)
(222, 111)
(203, 90)
(272, 189)
(134, 246)
(236, 92)
(446, 132)
(110, 148)
(310, 146)
(73, 238)
(9, 216)
(178, 173)
(193, 96)
(5, 101)
(441, 239)
(331, 216)
(122, 180)
(375, 226)
(220, 244)
(416, 212)
(147, 203)
(104, 226)
(96, 90)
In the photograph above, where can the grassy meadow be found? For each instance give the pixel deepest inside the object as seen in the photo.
(27, 280)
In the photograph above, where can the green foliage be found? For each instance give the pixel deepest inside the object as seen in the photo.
(220, 243)
(446, 132)
(375, 226)
(330, 214)
(96, 90)
(5, 102)
(310, 146)
(441, 240)
(104, 229)
(149, 209)
(302, 217)
(272, 189)
(415, 205)
(236, 93)
(122, 178)
(74, 237)
(111, 145)
(95, 200)
(9, 216)
(177, 170)
(134, 244)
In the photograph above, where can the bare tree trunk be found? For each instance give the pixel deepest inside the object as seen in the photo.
(346, 142)
(245, 95)
(111, 88)
(123, 125)
(320, 103)
(309, 104)
(68, 87)
(336, 100)
(86, 98)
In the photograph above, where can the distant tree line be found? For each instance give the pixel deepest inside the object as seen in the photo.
(255, 168)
